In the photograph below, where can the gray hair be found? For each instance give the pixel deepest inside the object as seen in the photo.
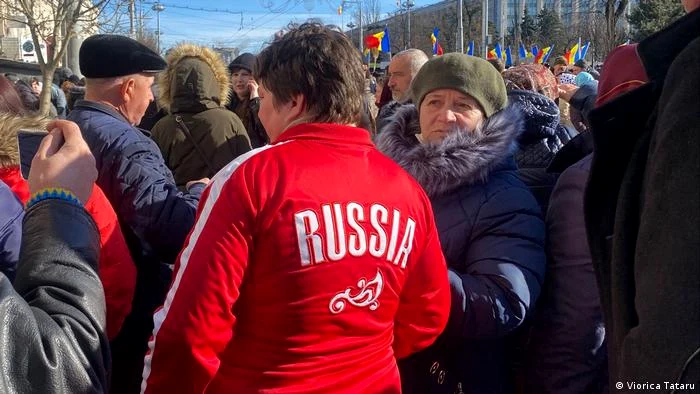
(417, 57)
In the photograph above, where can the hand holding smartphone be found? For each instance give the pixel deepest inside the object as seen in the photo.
(28, 142)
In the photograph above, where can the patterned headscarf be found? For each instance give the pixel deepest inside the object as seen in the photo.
(567, 78)
(533, 77)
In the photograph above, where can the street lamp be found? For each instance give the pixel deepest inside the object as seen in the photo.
(158, 8)
(408, 4)
(359, 6)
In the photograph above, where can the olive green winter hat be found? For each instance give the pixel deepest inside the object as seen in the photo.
(467, 74)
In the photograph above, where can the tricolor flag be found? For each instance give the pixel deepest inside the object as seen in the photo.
(470, 49)
(491, 54)
(524, 53)
(539, 59)
(499, 52)
(571, 54)
(386, 44)
(437, 49)
(549, 52)
(584, 49)
(509, 58)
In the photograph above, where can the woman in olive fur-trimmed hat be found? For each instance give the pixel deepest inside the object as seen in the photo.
(458, 143)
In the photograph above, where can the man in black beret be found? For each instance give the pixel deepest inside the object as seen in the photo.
(154, 216)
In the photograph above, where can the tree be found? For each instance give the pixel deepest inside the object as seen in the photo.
(550, 30)
(614, 10)
(528, 28)
(650, 16)
(53, 22)
(371, 11)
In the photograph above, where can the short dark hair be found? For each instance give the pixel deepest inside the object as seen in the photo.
(497, 64)
(321, 64)
(10, 102)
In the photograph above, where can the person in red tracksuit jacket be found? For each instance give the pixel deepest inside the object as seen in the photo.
(116, 267)
(314, 263)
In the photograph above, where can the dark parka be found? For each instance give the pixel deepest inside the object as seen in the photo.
(492, 235)
(642, 208)
(53, 334)
(541, 139)
(195, 88)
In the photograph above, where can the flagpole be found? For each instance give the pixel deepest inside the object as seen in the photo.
(460, 40)
(359, 5)
(579, 47)
(484, 26)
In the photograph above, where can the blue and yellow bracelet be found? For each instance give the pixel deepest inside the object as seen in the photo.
(53, 193)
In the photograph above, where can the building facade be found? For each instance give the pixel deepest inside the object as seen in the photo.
(15, 37)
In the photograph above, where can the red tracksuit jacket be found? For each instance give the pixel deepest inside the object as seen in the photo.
(313, 265)
(116, 267)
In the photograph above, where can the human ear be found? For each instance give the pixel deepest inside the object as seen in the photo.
(127, 89)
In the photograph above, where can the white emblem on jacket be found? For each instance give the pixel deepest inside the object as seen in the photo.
(344, 234)
(366, 295)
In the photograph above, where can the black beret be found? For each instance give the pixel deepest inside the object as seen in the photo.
(110, 55)
(245, 61)
(581, 63)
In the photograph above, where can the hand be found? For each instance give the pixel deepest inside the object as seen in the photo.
(63, 160)
(566, 91)
(253, 88)
(204, 181)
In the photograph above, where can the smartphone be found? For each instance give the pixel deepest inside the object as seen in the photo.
(28, 142)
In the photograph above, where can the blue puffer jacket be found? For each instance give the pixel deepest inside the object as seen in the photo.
(492, 235)
(11, 214)
(133, 175)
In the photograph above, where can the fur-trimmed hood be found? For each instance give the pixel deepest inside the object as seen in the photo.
(195, 80)
(462, 158)
(9, 125)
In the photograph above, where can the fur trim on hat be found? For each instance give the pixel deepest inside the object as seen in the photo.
(208, 56)
(462, 158)
(9, 125)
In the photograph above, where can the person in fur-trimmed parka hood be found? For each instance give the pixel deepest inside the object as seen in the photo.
(458, 142)
(199, 136)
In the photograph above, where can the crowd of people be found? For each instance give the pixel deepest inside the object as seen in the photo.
(292, 223)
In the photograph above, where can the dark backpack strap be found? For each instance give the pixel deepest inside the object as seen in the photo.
(188, 135)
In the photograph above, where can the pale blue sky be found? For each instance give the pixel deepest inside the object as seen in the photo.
(257, 25)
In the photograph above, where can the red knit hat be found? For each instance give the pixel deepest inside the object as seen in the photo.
(622, 72)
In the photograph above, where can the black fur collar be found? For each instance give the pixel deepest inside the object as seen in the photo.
(462, 158)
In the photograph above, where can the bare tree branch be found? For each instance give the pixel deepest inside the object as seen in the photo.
(54, 22)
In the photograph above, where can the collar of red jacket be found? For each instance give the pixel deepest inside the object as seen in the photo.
(12, 176)
(328, 132)
(630, 66)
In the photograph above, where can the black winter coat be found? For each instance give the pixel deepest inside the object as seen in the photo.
(256, 132)
(541, 139)
(642, 209)
(492, 235)
(568, 327)
(53, 336)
